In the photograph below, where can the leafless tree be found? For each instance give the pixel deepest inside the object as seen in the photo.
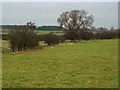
(75, 20)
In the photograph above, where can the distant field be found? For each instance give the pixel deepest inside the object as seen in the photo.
(78, 65)
(5, 31)
(47, 31)
(38, 32)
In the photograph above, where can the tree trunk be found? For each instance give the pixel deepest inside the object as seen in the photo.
(13, 50)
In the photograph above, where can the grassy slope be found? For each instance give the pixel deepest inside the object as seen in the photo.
(85, 64)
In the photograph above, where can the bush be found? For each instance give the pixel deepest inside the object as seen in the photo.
(41, 37)
(22, 38)
(71, 35)
(51, 39)
(106, 35)
(4, 36)
(62, 38)
(86, 35)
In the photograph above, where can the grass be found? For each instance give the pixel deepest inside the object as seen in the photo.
(5, 46)
(48, 31)
(76, 65)
(38, 32)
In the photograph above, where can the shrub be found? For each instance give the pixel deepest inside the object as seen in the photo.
(106, 35)
(41, 37)
(62, 38)
(4, 36)
(51, 39)
(71, 35)
(86, 34)
(22, 38)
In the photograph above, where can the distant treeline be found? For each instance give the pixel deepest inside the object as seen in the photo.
(11, 26)
(50, 28)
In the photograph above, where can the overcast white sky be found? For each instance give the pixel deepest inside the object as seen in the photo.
(46, 13)
(59, 0)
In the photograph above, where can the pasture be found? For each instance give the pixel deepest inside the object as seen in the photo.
(89, 64)
(48, 31)
(5, 31)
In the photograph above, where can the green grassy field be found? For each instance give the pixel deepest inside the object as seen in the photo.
(38, 32)
(76, 65)
(47, 31)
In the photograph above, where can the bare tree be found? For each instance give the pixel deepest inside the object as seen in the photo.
(75, 20)
(31, 26)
